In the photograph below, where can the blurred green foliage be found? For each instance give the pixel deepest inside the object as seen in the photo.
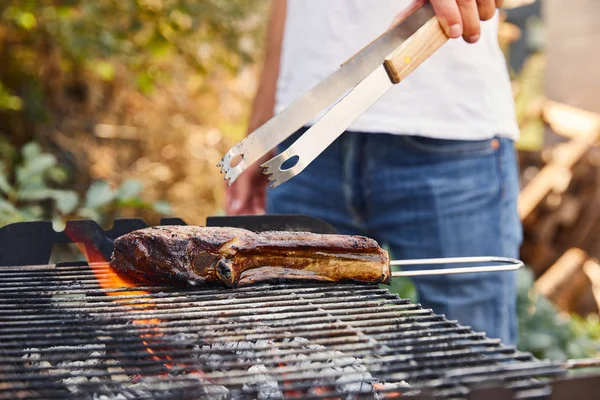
(69, 66)
(548, 334)
(45, 43)
(30, 188)
(530, 91)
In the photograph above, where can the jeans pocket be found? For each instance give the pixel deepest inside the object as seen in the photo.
(450, 147)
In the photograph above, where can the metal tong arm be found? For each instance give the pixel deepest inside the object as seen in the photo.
(580, 363)
(513, 264)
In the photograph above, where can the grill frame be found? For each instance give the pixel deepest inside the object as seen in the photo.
(414, 342)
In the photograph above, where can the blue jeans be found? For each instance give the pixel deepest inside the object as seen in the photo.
(423, 198)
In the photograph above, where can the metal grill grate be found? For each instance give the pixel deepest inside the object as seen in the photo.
(63, 335)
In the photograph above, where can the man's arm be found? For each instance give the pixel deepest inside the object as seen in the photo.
(264, 101)
(247, 194)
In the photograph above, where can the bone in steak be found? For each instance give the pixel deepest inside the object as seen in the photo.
(195, 255)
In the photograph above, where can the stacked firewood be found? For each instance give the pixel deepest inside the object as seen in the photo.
(560, 208)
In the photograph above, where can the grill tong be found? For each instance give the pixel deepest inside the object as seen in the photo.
(355, 87)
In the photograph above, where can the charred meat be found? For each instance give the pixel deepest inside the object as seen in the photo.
(195, 255)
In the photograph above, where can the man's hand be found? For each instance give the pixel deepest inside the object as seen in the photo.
(462, 17)
(246, 196)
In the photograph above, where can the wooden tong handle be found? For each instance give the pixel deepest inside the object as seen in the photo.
(416, 49)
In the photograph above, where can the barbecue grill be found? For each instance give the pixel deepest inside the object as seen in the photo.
(75, 330)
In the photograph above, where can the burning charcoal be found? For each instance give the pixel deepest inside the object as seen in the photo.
(265, 385)
(263, 343)
(118, 396)
(302, 340)
(72, 383)
(354, 382)
(150, 387)
(117, 373)
(97, 354)
(47, 367)
(214, 352)
(31, 354)
(78, 364)
(58, 371)
(180, 337)
(216, 392)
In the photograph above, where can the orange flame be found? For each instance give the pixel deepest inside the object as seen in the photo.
(107, 278)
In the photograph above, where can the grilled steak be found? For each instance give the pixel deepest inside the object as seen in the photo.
(194, 255)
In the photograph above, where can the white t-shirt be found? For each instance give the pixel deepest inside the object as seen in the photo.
(461, 92)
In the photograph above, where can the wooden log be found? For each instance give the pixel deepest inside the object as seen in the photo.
(534, 110)
(586, 304)
(538, 256)
(546, 229)
(569, 210)
(556, 204)
(556, 175)
(569, 121)
(590, 217)
(570, 296)
(560, 277)
(553, 177)
(592, 270)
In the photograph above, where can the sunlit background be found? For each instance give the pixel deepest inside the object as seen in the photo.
(122, 108)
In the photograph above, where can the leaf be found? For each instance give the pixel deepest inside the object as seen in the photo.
(11, 102)
(8, 100)
(134, 203)
(6, 206)
(104, 69)
(5, 187)
(66, 201)
(27, 20)
(88, 213)
(31, 150)
(32, 213)
(145, 83)
(9, 213)
(35, 167)
(35, 192)
(162, 207)
(542, 340)
(99, 194)
(556, 355)
(129, 189)
(58, 174)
